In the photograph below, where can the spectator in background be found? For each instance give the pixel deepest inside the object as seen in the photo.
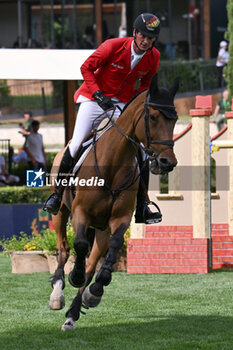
(223, 105)
(88, 38)
(26, 128)
(34, 148)
(5, 177)
(221, 62)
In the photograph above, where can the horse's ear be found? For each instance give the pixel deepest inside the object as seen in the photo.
(153, 84)
(174, 87)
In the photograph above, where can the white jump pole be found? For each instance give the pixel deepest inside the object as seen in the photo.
(200, 161)
(222, 143)
(201, 203)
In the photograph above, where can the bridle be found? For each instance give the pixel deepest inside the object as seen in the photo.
(147, 149)
(145, 112)
(149, 141)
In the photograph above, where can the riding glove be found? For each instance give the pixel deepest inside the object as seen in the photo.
(103, 101)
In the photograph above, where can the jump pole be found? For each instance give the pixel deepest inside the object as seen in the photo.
(201, 204)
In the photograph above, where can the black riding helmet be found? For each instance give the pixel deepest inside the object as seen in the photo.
(148, 24)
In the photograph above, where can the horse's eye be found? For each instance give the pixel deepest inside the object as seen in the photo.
(153, 118)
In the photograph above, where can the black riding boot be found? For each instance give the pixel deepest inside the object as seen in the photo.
(143, 214)
(52, 204)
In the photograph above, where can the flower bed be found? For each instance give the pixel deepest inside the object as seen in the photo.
(28, 253)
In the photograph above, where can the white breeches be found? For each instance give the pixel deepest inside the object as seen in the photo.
(89, 116)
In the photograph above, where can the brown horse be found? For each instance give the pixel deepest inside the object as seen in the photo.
(146, 123)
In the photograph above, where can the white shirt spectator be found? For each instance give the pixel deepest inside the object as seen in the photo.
(223, 55)
(34, 143)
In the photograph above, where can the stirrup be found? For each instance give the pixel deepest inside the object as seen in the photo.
(158, 214)
(146, 216)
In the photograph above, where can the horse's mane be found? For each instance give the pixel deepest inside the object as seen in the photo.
(133, 98)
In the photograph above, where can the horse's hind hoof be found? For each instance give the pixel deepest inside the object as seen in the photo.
(57, 303)
(90, 299)
(78, 282)
(57, 299)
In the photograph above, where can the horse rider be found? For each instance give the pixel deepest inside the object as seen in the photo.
(113, 74)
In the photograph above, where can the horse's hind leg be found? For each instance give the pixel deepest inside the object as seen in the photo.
(104, 276)
(99, 248)
(57, 300)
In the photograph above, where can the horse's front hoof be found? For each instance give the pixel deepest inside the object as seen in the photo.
(90, 299)
(69, 325)
(77, 281)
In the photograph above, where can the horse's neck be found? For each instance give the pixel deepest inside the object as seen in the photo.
(117, 137)
(127, 121)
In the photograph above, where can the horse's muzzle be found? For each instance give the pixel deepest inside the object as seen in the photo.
(162, 165)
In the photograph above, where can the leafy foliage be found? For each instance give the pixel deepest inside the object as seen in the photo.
(31, 102)
(23, 194)
(45, 240)
(190, 74)
(15, 243)
(5, 98)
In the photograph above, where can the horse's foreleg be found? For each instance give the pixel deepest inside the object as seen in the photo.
(99, 248)
(57, 300)
(104, 276)
(77, 276)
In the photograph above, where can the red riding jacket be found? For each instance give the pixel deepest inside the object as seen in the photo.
(108, 70)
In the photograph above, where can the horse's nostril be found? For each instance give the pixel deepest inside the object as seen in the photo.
(164, 161)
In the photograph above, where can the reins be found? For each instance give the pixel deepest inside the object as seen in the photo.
(150, 152)
(132, 174)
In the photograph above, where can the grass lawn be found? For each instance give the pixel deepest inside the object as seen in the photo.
(138, 312)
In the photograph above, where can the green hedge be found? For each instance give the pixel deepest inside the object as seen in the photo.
(23, 194)
(5, 98)
(189, 73)
(31, 102)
